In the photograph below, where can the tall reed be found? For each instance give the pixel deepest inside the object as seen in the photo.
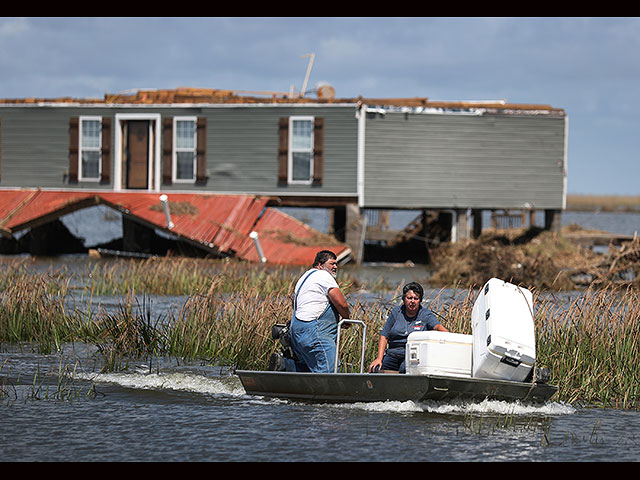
(590, 341)
(29, 312)
(230, 329)
(591, 345)
(183, 276)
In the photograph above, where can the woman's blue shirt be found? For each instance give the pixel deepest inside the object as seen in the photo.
(398, 325)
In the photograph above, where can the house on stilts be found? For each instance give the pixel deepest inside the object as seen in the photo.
(360, 158)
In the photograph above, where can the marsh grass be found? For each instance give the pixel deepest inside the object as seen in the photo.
(128, 334)
(592, 345)
(607, 203)
(29, 312)
(493, 424)
(183, 276)
(56, 384)
(590, 341)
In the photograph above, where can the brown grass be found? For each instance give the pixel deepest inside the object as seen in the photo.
(605, 203)
(590, 342)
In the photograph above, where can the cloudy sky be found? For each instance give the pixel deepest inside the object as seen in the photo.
(588, 66)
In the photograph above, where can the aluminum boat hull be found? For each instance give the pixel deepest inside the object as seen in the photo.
(380, 387)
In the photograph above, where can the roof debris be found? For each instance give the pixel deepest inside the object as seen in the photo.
(324, 95)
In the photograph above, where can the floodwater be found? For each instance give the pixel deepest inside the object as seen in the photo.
(198, 413)
(58, 408)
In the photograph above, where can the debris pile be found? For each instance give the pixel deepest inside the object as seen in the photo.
(535, 257)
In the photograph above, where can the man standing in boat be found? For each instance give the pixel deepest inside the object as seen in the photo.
(318, 304)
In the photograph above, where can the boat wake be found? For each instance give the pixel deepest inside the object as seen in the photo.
(463, 407)
(229, 385)
(176, 381)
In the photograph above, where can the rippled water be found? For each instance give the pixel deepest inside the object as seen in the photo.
(169, 411)
(176, 412)
(183, 416)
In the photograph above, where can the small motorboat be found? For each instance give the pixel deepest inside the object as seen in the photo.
(381, 387)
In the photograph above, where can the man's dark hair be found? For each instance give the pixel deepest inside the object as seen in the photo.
(414, 287)
(322, 256)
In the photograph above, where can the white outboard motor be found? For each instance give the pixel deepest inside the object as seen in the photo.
(504, 345)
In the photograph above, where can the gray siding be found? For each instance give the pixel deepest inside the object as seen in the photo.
(463, 161)
(242, 150)
(242, 147)
(35, 147)
(411, 160)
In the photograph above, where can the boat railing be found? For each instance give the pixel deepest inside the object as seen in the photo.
(364, 336)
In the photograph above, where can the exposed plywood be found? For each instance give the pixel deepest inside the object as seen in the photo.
(219, 96)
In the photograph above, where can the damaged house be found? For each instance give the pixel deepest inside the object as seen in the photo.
(448, 161)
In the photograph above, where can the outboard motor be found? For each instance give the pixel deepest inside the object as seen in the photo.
(542, 375)
(280, 332)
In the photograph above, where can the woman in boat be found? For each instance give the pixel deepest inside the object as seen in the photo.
(403, 319)
(317, 306)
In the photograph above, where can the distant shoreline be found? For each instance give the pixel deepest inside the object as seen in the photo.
(604, 203)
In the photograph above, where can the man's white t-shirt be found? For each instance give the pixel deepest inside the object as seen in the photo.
(312, 296)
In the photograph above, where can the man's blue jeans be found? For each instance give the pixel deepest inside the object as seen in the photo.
(314, 342)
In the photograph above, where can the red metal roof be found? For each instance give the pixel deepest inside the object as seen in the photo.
(286, 240)
(20, 209)
(220, 223)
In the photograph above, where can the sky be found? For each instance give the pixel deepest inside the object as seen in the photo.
(590, 67)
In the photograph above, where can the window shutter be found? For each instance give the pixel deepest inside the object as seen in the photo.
(73, 150)
(106, 150)
(0, 149)
(167, 149)
(318, 150)
(201, 151)
(283, 149)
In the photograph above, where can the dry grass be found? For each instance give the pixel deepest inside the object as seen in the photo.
(590, 341)
(605, 203)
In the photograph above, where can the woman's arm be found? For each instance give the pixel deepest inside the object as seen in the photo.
(382, 346)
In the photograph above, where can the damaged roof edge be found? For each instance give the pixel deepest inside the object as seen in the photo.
(210, 96)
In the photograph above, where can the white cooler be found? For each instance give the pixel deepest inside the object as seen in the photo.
(438, 353)
(503, 332)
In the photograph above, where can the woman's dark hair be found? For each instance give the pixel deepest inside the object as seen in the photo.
(322, 256)
(414, 287)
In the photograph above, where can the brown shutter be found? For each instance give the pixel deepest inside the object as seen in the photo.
(318, 150)
(106, 150)
(0, 149)
(73, 150)
(167, 149)
(201, 151)
(283, 149)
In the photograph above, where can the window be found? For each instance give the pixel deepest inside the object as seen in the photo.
(185, 149)
(90, 148)
(300, 150)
